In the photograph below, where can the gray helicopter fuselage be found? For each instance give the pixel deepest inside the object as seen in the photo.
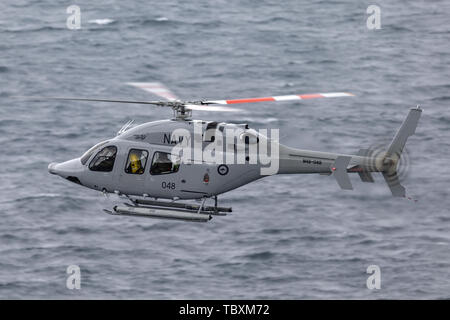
(190, 181)
(195, 179)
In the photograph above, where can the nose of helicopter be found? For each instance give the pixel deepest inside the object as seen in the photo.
(51, 167)
(69, 169)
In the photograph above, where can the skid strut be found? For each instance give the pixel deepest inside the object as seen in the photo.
(180, 205)
(169, 210)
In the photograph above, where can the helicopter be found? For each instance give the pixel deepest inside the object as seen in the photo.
(159, 166)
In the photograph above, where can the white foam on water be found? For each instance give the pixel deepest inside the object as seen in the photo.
(101, 21)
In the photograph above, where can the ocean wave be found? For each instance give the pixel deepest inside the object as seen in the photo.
(263, 255)
(35, 29)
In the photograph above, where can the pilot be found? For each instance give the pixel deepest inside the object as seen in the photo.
(135, 164)
(164, 163)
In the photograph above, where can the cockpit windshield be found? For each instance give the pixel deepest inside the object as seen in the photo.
(85, 157)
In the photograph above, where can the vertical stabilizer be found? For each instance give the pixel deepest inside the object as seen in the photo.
(395, 149)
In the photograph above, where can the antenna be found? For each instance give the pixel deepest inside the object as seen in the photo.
(125, 127)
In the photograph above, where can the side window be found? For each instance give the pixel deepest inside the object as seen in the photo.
(164, 163)
(104, 159)
(136, 162)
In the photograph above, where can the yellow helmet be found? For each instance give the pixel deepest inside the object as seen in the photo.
(135, 163)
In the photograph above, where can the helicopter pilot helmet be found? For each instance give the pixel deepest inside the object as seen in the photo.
(135, 163)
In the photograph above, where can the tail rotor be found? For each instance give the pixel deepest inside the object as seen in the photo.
(393, 162)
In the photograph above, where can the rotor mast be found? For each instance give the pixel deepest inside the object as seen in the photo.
(180, 111)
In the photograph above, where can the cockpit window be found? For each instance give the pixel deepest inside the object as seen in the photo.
(164, 163)
(104, 159)
(85, 157)
(136, 162)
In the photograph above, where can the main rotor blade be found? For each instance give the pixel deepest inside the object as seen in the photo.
(155, 88)
(211, 108)
(172, 104)
(157, 103)
(282, 98)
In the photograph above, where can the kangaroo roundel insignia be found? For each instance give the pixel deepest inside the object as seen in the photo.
(222, 170)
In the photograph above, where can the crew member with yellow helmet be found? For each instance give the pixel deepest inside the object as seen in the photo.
(135, 165)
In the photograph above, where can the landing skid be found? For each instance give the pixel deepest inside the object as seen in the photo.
(141, 207)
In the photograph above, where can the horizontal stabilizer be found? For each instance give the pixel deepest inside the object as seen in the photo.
(339, 169)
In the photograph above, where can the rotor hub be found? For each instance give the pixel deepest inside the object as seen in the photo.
(181, 112)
